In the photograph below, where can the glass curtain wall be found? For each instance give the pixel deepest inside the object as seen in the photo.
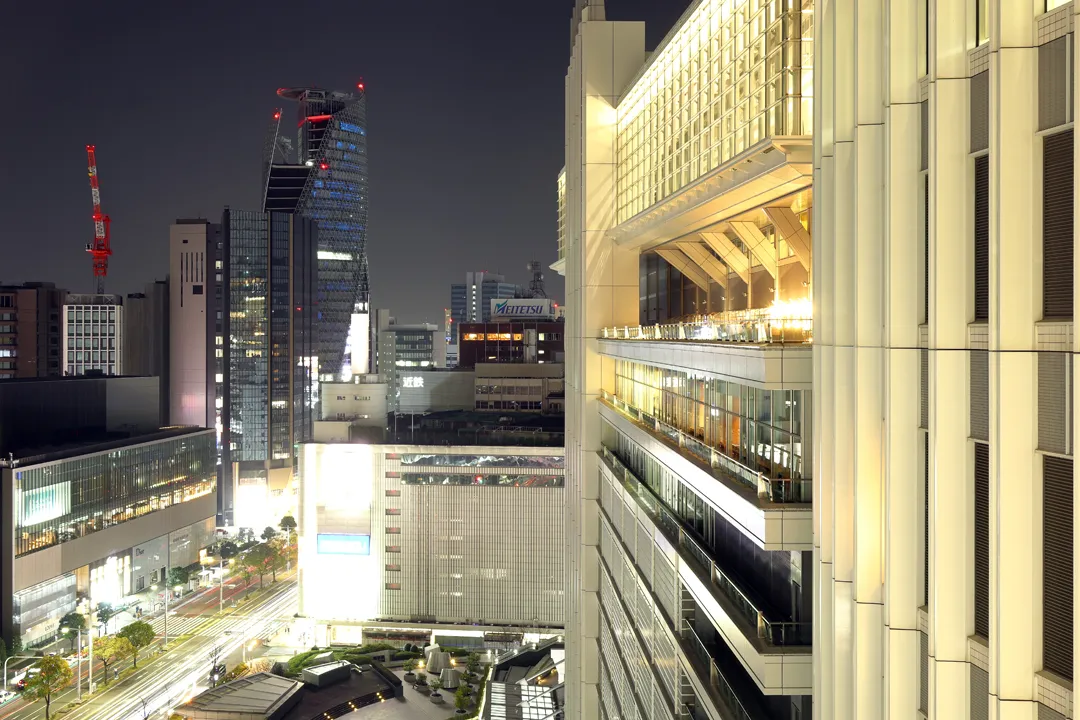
(762, 429)
(736, 73)
(65, 500)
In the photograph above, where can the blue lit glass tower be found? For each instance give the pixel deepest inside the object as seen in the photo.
(325, 178)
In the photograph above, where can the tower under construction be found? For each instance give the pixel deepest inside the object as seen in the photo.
(323, 175)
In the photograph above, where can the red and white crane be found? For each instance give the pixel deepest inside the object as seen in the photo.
(99, 249)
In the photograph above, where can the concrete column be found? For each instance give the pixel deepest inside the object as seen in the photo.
(599, 278)
(1015, 258)
(903, 522)
(951, 307)
(824, 363)
(869, 358)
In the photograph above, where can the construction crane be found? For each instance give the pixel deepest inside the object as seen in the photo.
(99, 249)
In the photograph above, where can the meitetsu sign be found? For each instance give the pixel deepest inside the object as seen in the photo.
(529, 308)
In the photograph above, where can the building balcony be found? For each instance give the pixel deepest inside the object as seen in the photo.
(775, 513)
(707, 673)
(784, 323)
(765, 634)
(775, 361)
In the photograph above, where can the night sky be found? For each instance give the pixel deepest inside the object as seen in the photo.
(465, 118)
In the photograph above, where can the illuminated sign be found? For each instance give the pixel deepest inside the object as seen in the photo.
(341, 544)
(532, 308)
(412, 382)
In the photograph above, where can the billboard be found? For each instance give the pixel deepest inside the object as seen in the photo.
(523, 309)
(342, 544)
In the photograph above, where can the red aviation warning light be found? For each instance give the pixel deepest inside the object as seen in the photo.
(99, 249)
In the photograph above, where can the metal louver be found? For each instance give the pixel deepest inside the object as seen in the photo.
(980, 694)
(982, 540)
(1058, 566)
(1058, 226)
(982, 238)
(1055, 402)
(980, 111)
(979, 380)
(924, 389)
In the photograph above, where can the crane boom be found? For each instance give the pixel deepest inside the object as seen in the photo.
(99, 249)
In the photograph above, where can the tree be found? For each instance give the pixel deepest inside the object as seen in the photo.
(288, 524)
(111, 649)
(410, 669)
(462, 700)
(260, 558)
(71, 624)
(55, 675)
(247, 571)
(139, 634)
(179, 576)
(421, 678)
(279, 553)
(436, 686)
(268, 533)
(228, 549)
(105, 612)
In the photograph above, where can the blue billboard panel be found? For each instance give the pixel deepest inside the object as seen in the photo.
(341, 544)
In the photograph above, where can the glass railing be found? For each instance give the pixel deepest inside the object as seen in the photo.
(709, 671)
(777, 490)
(771, 632)
(764, 326)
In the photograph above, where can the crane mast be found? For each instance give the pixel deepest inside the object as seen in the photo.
(99, 249)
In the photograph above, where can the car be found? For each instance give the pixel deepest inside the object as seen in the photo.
(7, 695)
(21, 685)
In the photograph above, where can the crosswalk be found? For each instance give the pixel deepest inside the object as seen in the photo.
(207, 626)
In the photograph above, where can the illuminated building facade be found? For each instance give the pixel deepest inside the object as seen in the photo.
(441, 535)
(325, 178)
(685, 208)
(93, 334)
(269, 394)
(76, 518)
(30, 330)
(944, 293)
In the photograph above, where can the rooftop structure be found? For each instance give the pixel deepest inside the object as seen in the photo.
(325, 178)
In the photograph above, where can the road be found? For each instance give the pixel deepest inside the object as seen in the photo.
(170, 678)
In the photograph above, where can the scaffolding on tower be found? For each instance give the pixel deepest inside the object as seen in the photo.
(99, 249)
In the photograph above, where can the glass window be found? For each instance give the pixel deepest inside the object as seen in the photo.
(982, 22)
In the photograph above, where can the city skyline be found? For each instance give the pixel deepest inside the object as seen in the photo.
(447, 171)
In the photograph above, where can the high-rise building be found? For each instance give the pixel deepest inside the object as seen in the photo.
(685, 208)
(270, 392)
(944, 307)
(93, 334)
(146, 337)
(471, 301)
(406, 348)
(325, 178)
(30, 330)
(197, 333)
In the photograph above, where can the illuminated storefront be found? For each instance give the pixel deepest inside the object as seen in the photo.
(79, 519)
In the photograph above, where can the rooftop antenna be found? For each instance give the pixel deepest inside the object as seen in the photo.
(536, 284)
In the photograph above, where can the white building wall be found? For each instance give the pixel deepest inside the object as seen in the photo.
(439, 554)
(189, 401)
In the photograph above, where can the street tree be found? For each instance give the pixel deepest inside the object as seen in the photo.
(140, 634)
(288, 524)
(228, 549)
(179, 576)
(71, 624)
(247, 572)
(260, 558)
(55, 675)
(269, 533)
(105, 613)
(111, 649)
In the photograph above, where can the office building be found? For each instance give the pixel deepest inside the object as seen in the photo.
(511, 341)
(352, 411)
(431, 536)
(93, 334)
(270, 392)
(943, 361)
(30, 330)
(325, 177)
(524, 387)
(471, 301)
(403, 348)
(103, 502)
(146, 337)
(433, 389)
(685, 201)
